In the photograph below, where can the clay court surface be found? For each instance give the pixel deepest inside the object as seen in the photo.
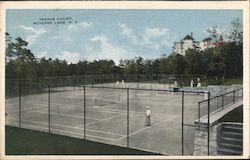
(107, 119)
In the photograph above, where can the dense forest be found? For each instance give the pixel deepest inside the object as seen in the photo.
(222, 62)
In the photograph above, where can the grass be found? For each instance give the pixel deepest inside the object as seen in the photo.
(233, 81)
(228, 81)
(28, 142)
(235, 115)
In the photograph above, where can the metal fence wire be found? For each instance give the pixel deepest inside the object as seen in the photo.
(215, 104)
(111, 79)
(115, 115)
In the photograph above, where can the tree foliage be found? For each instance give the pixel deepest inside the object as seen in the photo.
(223, 61)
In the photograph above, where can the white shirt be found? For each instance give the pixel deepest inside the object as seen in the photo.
(148, 112)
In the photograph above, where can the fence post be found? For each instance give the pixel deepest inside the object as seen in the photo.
(20, 105)
(222, 103)
(84, 112)
(49, 107)
(127, 117)
(182, 123)
(151, 81)
(78, 82)
(233, 96)
(208, 124)
(199, 114)
(92, 81)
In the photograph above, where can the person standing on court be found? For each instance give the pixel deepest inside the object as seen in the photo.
(147, 120)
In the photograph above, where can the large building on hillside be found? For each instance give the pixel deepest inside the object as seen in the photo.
(188, 42)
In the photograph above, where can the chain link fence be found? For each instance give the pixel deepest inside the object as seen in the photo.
(115, 115)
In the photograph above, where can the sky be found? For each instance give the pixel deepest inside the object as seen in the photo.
(86, 34)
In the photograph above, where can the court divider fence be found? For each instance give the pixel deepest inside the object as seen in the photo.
(225, 99)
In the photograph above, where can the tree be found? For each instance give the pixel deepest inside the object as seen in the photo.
(225, 60)
(106, 66)
(156, 66)
(215, 66)
(213, 31)
(193, 60)
(173, 64)
(44, 67)
(233, 60)
(139, 65)
(236, 32)
(20, 60)
(82, 65)
(148, 67)
(163, 66)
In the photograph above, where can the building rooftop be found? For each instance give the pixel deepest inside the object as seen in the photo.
(188, 37)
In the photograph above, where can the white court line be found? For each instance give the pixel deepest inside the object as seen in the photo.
(125, 112)
(65, 115)
(58, 125)
(68, 132)
(30, 108)
(74, 106)
(87, 108)
(101, 120)
(104, 110)
(146, 128)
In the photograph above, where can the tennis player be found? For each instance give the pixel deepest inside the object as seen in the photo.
(147, 120)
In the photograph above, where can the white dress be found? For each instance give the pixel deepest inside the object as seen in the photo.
(147, 120)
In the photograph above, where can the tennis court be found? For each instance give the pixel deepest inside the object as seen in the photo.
(112, 116)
